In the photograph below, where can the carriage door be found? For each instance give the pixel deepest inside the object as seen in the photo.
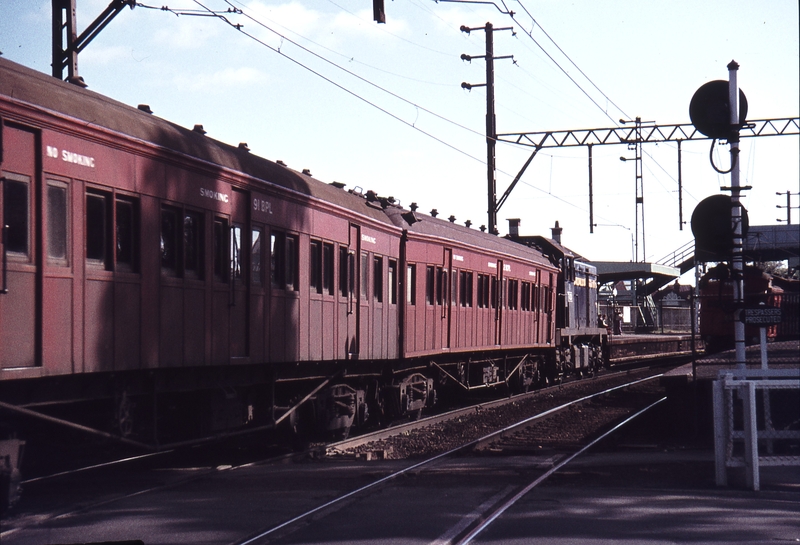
(350, 288)
(240, 272)
(446, 297)
(500, 301)
(19, 305)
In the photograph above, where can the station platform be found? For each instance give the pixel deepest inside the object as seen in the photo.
(689, 387)
(656, 484)
(654, 498)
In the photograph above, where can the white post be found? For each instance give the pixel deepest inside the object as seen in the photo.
(720, 432)
(748, 393)
(737, 261)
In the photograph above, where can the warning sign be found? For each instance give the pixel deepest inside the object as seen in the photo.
(761, 316)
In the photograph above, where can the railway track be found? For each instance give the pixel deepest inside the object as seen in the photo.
(497, 440)
(146, 477)
(441, 432)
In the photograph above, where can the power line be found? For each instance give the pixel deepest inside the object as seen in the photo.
(569, 59)
(340, 86)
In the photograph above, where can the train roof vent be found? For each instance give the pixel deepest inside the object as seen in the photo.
(77, 80)
(413, 206)
(468, 223)
(410, 217)
(483, 228)
(281, 163)
(307, 172)
(145, 108)
(243, 146)
(338, 185)
(434, 213)
(452, 218)
(199, 128)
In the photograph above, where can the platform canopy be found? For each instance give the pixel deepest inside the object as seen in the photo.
(614, 271)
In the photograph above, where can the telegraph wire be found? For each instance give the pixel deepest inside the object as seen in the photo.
(535, 22)
(343, 88)
(349, 72)
(221, 16)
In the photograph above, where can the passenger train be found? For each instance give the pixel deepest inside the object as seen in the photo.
(160, 285)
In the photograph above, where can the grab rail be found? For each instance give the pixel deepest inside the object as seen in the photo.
(4, 289)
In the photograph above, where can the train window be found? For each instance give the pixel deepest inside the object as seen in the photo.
(494, 292)
(466, 288)
(315, 266)
(411, 284)
(236, 253)
(277, 269)
(513, 294)
(283, 250)
(193, 245)
(220, 250)
(525, 298)
(16, 214)
(441, 285)
(98, 212)
(292, 283)
(169, 241)
(127, 222)
(344, 260)
(392, 282)
(364, 272)
(454, 288)
(327, 268)
(57, 222)
(255, 256)
(377, 278)
(430, 284)
(547, 303)
(483, 290)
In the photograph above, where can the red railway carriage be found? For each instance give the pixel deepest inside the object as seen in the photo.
(717, 308)
(135, 245)
(474, 302)
(176, 286)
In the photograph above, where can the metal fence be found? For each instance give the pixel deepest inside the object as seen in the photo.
(747, 431)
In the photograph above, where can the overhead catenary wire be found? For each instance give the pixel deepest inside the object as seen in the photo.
(284, 38)
(530, 35)
(340, 86)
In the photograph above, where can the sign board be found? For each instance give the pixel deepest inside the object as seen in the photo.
(761, 316)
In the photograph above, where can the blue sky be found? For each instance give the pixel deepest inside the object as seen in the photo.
(319, 85)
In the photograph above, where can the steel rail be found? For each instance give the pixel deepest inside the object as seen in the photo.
(519, 495)
(383, 480)
(353, 442)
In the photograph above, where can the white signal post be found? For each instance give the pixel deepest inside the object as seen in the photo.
(737, 261)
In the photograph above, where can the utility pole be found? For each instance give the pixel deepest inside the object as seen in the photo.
(788, 206)
(491, 122)
(66, 41)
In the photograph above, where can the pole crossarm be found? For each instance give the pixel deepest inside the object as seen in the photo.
(647, 133)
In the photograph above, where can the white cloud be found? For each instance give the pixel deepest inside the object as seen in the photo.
(219, 82)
